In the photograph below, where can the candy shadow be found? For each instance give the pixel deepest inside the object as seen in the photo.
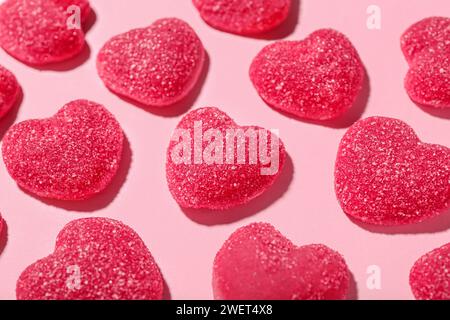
(105, 197)
(3, 236)
(443, 113)
(76, 61)
(286, 28)
(353, 288)
(180, 107)
(275, 192)
(166, 293)
(11, 116)
(436, 224)
(348, 118)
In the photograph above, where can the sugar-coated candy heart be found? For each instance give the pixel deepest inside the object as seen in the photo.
(156, 66)
(1, 224)
(430, 277)
(94, 259)
(428, 35)
(318, 78)
(9, 91)
(426, 46)
(212, 163)
(70, 156)
(258, 263)
(245, 17)
(37, 32)
(385, 175)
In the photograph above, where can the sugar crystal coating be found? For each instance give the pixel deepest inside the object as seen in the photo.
(430, 276)
(94, 259)
(37, 32)
(318, 78)
(258, 263)
(385, 175)
(1, 225)
(9, 91)
(219, 185)
(246, 17)
(428, 35)
(155, 66)
(70, 156)
(426, 46)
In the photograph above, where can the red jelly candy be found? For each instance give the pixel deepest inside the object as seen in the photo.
(70, 156)
(9, 91)
(258, 263)
(385, 175)
(155, 66)
(245, 17)
(1, 225)
(318, 78)
(37, 32)
(94, 259)
(429, 277)
(426, 46)
(212, 163)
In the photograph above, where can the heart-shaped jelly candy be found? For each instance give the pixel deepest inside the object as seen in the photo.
(94, 259)
(156, 66)
(70, 156)
(385, 175)
(213, 163)
(258, 263)
(318, 78)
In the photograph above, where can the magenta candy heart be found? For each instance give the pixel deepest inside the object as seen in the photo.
(245, 17)
(71, 156)
(385, 175)
(37, 32)
(318, 78)
(429, 277)
(94, 259)
(426, 46)
(258, 263)
(155, 66)
(9, 91)
(201, 176)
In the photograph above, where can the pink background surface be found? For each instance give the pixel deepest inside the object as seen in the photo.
(302, 205)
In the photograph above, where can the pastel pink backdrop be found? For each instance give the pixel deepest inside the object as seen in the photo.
(302, 205)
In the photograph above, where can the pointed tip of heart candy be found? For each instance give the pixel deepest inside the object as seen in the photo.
(384, 175)
(429, 278)
(318, 78)
(247, 18)
(156, 66)
(72, 155)
(212, 163)
(94, 259)
(41, 39)
(258, 263)
(9, 91)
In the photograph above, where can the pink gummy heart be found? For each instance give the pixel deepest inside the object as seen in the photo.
(385, 175)
(426, 46)
(38, 32)
(245, 17)
(430, 277)
(205, 170)
(1, 225)
(155, 66)
(258, 263)
(9, 91)
(94, 259)
(70, 156)
(318, 78)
